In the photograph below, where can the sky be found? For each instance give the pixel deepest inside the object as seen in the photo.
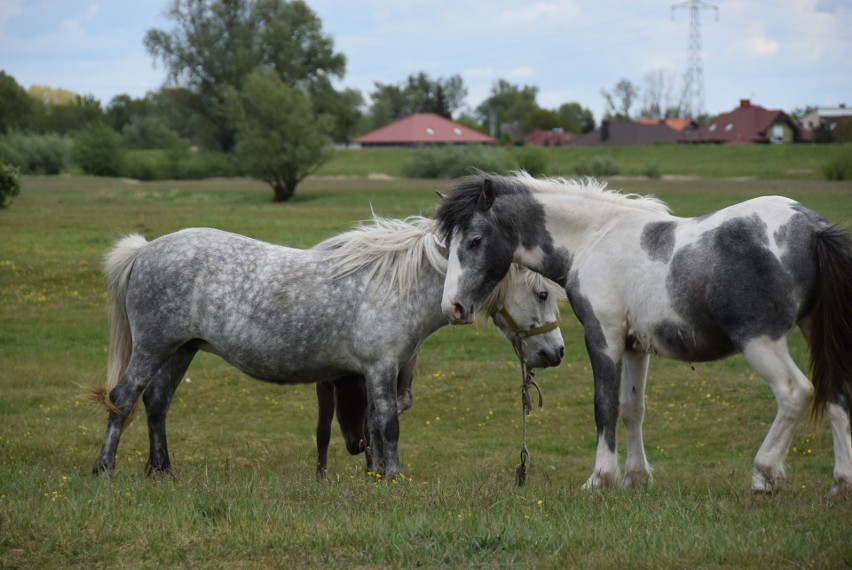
(781, 54)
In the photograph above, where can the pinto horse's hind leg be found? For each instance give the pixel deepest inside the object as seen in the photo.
(124, 396)
(793, 393)
(838, 415)
(158, 398)
(634, 373)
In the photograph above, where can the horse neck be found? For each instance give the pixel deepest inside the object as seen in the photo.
(427, 302)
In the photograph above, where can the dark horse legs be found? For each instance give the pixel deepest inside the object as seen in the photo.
(157, 398)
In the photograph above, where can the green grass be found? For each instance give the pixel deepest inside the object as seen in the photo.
(802, 161)
(245, 495)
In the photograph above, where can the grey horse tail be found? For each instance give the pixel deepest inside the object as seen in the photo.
(831, 328)
(117, 266)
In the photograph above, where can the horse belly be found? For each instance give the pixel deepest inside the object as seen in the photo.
(689, 344)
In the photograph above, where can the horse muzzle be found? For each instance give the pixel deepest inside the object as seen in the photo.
(457, 314)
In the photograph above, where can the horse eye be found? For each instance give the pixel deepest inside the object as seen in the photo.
(474, 242)
(542, 295)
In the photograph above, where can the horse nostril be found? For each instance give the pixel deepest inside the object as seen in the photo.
(458, 311)
(561, 352)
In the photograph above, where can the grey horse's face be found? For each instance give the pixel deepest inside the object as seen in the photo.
(533, 311)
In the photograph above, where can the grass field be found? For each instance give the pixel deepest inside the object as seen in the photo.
(768, 162)
(245, 495)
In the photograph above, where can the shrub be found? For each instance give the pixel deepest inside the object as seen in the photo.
(197, 165)
(838, 166)
(598, 165)
(532, 159)
(652, 169)
(148, 165)
(454, 161)
(149, 133)
(35, 154)
(97, 150)
(10, 184)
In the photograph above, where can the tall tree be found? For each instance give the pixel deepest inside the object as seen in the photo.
(657, 96)
(508, 104)
(16, 106)
(620, 100)
(279, 138)
(418, 94)
(575, 118)
(215, 44)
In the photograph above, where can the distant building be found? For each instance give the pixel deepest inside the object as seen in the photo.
(682, 126)
(620, 133)
(553, 137)
(829, 124)
(423, 129)
(749, 124)
(827, 116)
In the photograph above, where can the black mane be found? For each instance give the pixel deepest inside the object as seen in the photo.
(463, 199)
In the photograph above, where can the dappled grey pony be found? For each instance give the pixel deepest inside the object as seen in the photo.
(643, 282)
(359, 303)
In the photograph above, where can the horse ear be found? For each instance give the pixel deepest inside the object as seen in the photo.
(441, 195)
(486, 198)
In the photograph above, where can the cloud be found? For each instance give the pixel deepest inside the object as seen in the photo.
(761, 46)
(75, 25)
(9, 9)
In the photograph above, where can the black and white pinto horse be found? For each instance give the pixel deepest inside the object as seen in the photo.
(642, 281)
(359, 303)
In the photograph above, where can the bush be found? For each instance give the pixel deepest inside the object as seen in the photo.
(453, 161)
(838, 166)
(149, 133)
(197, 165)
(35, 154)
(652, 169)
(97, 150)
(10, 184)
(148, 165)
(598, 165)
(532, 159)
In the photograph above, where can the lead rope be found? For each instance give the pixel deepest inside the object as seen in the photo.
(526, 407)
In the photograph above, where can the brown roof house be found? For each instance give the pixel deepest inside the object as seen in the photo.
(553, 137)
(682, 126)
(423, 129)
(749, 124)
(619, 133)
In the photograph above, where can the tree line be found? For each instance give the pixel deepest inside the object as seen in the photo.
(251, 81)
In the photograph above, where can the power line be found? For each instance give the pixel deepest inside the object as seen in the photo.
(692, 100)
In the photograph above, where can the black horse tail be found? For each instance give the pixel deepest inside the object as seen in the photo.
(118, 264)
(831, 322)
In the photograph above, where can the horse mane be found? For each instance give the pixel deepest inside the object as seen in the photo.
(591, 188)
(463, 199)
(392, 249)
(531, 279)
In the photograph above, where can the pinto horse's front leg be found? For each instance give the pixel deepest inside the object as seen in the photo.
(383, 420)
(607, 372)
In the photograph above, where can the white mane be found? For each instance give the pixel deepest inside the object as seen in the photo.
(393, 249)
(516, 276)
(591, 188)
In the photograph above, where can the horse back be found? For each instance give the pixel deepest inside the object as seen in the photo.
(729, 277)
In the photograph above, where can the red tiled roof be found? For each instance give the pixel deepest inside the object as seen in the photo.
(746, 124)
(424, 128)
(674, 123)
(549, 138)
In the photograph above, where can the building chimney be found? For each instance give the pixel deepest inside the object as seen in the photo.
(745, 103)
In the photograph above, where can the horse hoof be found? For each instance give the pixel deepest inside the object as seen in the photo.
(601, 481)
(766, 480)
(101, 470)
(635, 479)
(842, 489)
(321, 473)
